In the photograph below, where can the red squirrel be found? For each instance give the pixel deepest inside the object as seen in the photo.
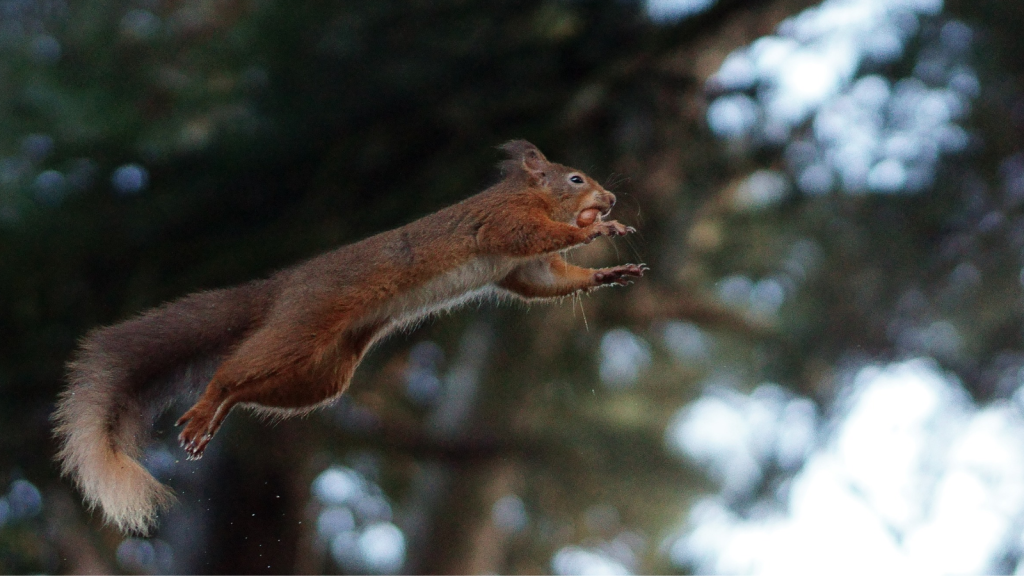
(290, 343)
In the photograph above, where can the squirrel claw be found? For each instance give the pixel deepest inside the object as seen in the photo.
(194, 450)
(195, 437)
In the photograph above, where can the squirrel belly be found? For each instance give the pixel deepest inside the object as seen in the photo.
(469, 282)
(290, 343)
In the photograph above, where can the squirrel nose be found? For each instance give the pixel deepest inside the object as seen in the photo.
(611, 201)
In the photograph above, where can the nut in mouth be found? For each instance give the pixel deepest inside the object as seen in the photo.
(588, 216)
(595, 210)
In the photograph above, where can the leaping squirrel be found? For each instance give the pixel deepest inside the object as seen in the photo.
(290, 343)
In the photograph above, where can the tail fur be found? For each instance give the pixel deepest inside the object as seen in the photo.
(124, 375)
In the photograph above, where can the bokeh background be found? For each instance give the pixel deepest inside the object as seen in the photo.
(821, 373)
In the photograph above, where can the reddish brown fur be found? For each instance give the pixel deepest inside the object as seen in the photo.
(292, 342)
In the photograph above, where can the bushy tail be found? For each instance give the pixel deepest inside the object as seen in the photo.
(124, 375)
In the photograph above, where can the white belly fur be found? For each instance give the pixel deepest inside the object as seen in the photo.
(471, 281)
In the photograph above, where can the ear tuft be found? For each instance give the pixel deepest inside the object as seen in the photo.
(518, 149)
(525, 155)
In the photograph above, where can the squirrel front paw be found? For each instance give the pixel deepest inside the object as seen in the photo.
(610, 228)
(619, 275)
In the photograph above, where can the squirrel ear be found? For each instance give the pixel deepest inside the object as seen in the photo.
(527, 156)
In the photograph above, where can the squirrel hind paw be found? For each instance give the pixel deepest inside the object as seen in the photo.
(196, 435)
(194, 448)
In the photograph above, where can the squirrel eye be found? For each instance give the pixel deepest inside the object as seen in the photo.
(575, 179)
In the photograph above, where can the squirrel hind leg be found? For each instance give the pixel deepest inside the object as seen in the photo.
(280, 396)
(284, 393)
(296, 386)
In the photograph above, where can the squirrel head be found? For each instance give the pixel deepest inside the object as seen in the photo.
(573, 191)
